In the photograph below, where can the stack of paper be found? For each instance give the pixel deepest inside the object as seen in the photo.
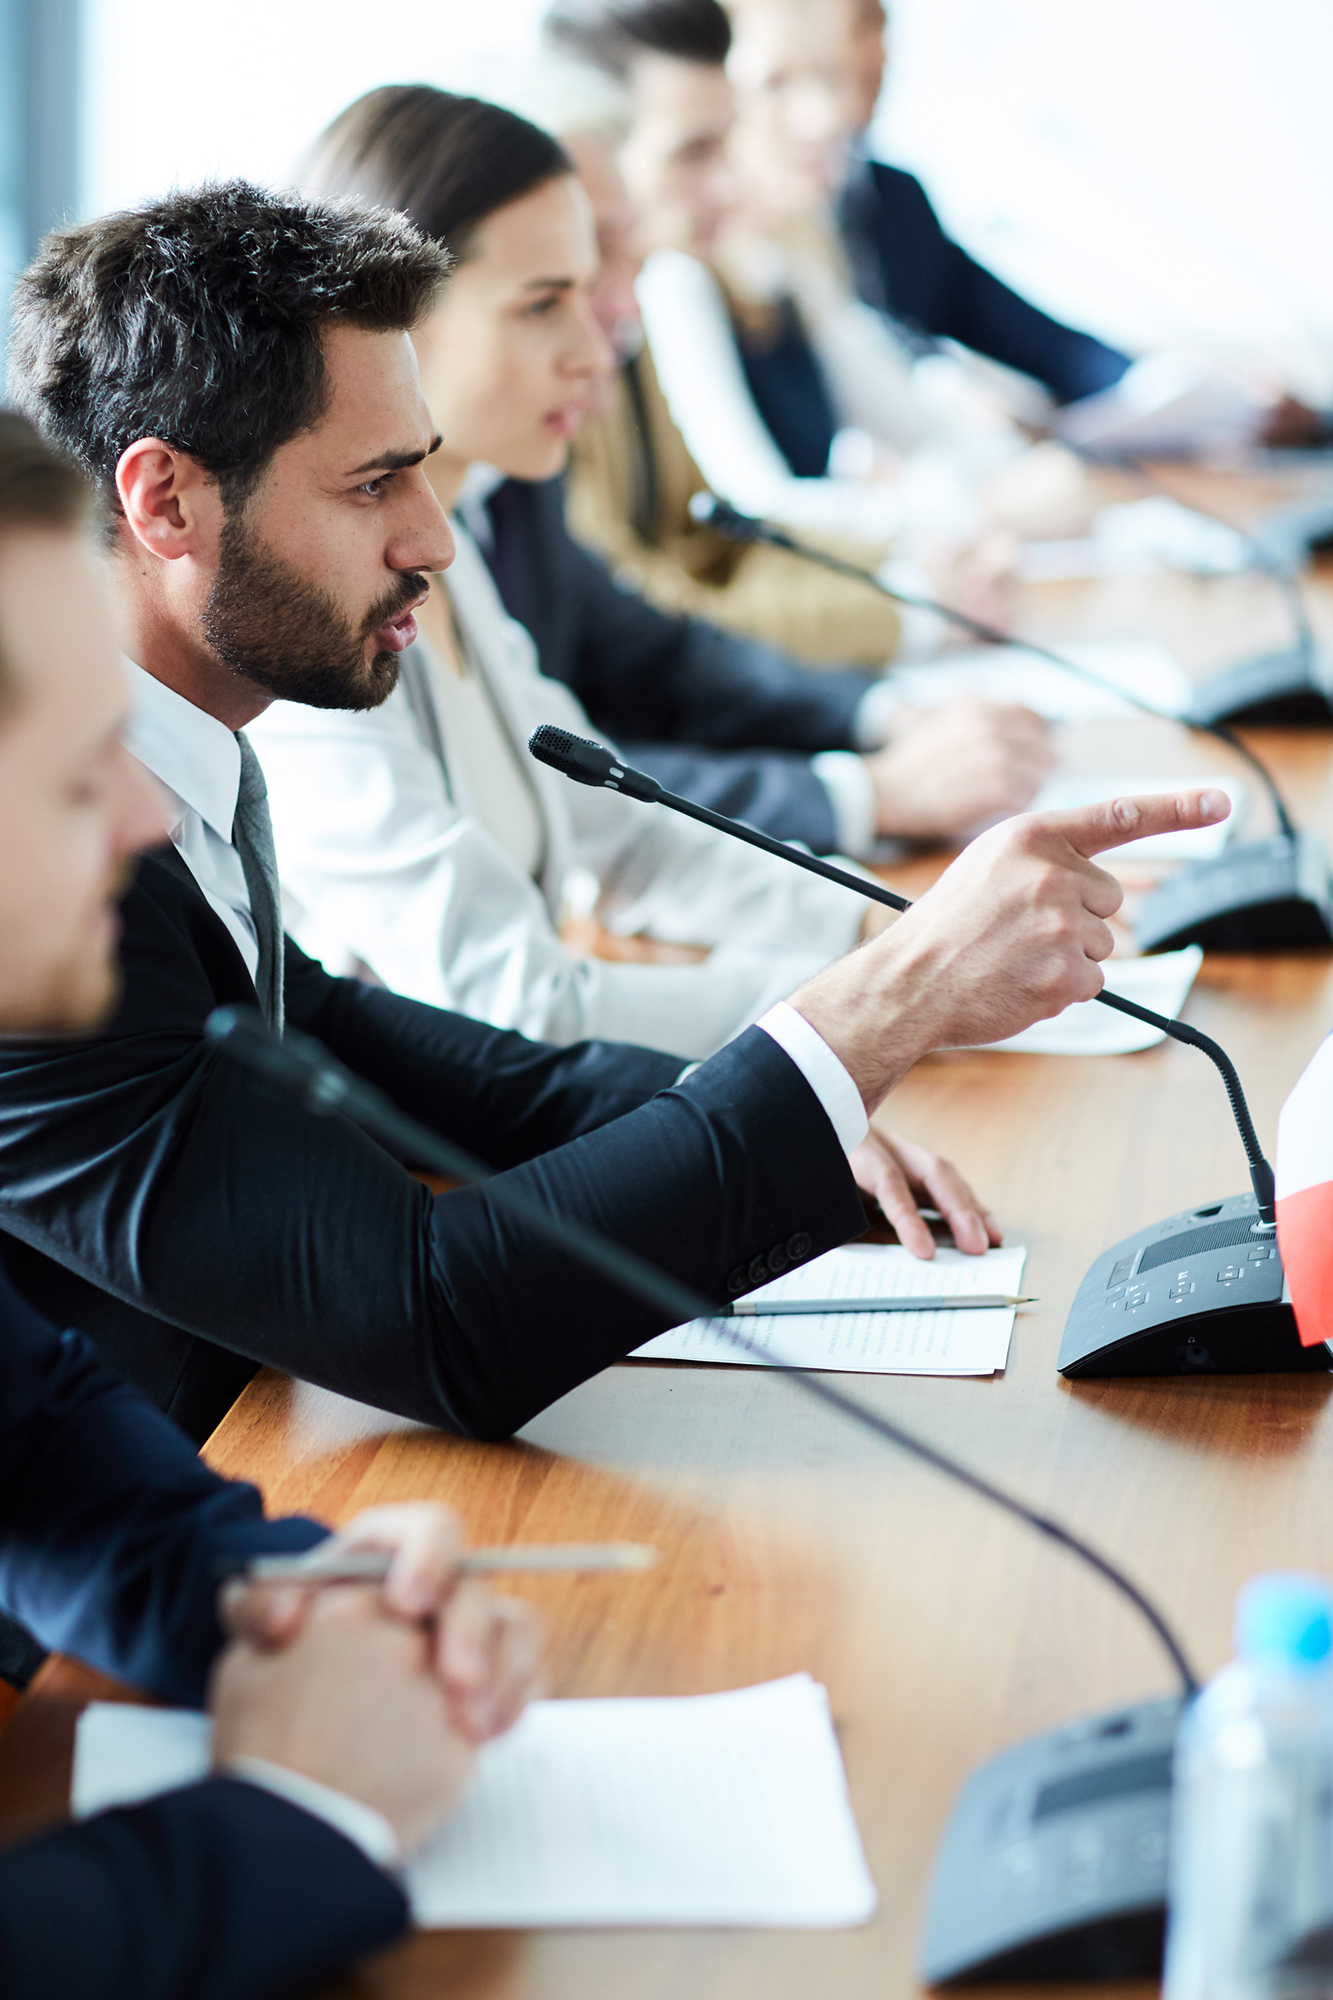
(712, 1809)
(1010, 673)
(971, 1342)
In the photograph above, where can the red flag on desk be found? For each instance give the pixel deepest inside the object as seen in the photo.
(1305, 1197)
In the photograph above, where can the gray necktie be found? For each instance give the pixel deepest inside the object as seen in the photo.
(252, 837)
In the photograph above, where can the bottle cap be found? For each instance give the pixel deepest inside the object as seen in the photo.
(1285, 1617)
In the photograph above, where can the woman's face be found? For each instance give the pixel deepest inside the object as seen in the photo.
(512, 358)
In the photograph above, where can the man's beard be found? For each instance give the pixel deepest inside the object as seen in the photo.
(285, 634)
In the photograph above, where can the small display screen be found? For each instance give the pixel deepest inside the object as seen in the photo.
(1149, 1773)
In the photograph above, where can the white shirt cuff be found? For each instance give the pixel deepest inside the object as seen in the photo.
(851, 791)
(822, 1071)
(872, 724)
(361, 1824)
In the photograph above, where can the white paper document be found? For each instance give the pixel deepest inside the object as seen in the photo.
(973, 1342)
(1068, 791)
(1010, 673)
(707, 1809)
(1090, 1029)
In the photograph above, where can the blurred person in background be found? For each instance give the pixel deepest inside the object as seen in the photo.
(907, 267)
(631, 476)
(687, 702)
(796, 400)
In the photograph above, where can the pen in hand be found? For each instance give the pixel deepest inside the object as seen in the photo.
(342, 1565)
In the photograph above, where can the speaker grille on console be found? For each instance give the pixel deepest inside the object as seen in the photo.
(1216, 1236)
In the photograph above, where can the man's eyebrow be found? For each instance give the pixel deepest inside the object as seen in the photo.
(395, 461)
(549, 285)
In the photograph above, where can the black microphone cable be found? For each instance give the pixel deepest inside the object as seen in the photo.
(303, 1067)
(710, 511)
(589, 763)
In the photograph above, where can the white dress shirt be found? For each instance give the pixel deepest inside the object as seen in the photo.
(197, 760)
(384, 869)
(352, 1818)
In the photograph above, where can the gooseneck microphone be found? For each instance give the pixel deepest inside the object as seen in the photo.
(303, 1068)
(589, 763)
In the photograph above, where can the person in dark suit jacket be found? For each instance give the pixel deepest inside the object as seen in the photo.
(276, 546)
(270, 1872)
(908, 268)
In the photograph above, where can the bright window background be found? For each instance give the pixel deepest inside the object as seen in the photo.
(1158, 170)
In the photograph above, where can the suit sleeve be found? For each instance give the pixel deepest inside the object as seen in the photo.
(110, 1526)
(163, 1172)
(931, 283)
(216, 1892)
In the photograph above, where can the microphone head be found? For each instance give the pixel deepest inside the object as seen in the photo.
(708, 511)
(573, 756)
(589, 763)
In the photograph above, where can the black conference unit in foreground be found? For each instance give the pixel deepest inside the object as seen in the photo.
(1198, 1294)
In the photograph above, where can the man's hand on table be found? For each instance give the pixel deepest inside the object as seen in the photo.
(1013, 932)
(381, 1693)
(900, 1174)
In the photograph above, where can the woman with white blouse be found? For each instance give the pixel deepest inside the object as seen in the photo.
(419, 842)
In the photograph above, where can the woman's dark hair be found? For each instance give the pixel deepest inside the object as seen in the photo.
(446, 162)
(610, 34)
(199, 319)
(37, 490)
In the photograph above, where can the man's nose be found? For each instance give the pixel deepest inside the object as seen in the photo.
(426, 541)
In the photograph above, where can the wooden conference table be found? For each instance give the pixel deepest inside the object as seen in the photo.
(790, 1540)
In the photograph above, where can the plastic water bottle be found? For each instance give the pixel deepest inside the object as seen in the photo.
(1251, 1868)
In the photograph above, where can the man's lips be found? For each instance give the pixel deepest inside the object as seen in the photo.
(397, 634)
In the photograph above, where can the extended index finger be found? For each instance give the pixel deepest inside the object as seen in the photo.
(1110, 823)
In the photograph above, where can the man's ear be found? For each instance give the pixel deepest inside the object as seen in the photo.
(172, 507)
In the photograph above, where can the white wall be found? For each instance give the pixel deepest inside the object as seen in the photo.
(187, 93)
(1158, 170)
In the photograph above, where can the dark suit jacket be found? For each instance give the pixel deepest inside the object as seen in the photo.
(157, 1194)
(728, 722)
(109, 1530)
(905, 265)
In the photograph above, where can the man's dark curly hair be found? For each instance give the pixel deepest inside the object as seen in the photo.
(198, 319)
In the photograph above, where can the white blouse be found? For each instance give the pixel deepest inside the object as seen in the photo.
(385, 871)
(923, 411)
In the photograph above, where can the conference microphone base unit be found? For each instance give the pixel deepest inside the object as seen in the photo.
(1200, 1294)
(1274, 895)
(1286, 689)
(1053, 1864)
